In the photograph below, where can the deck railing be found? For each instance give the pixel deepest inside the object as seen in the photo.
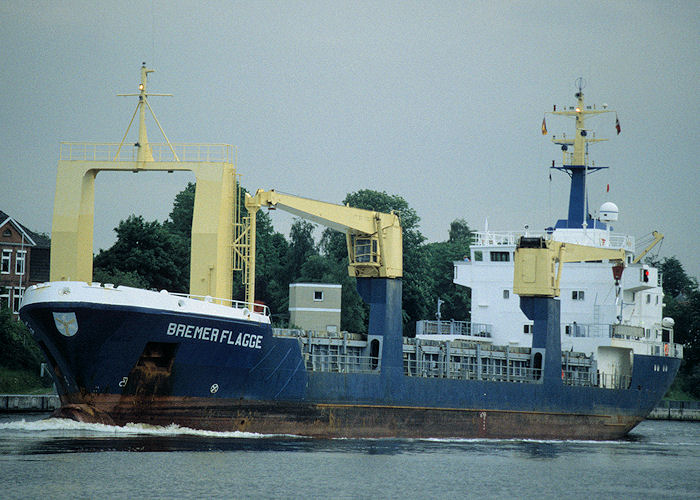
(236, 304)
(432, 327)
(341, 363)
(499, 238)
(91, 151)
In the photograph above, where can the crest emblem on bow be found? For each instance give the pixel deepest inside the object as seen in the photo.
(66, 323)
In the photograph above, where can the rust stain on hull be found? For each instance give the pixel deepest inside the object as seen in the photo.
(342, 420)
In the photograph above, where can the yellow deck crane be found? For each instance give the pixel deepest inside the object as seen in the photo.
(375, 258)
(536, 279)
(535, 271)
(657, 239)
(374, 239)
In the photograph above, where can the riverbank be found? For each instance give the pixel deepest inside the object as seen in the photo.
(28, 403)
(676, 410)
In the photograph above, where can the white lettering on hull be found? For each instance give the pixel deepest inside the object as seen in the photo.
(210, 334)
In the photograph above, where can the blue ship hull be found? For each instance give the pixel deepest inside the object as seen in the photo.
(134, 364)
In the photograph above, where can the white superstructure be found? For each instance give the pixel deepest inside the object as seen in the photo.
(593, 311)
(599, 314)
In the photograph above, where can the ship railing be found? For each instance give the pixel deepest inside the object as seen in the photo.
(572, 376)
(576, 329)
(613, 381)
(653, 348)
(341, 363)
(469, 371)
(494, 238)
(452, 327)
(579, 378)
(491, 238)
(668, 349)
(605, 330)
(236, 304)
(618, 240)
(162, 152)
(628, 332)
(316, 335)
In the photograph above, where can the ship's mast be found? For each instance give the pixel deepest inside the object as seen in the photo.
(575, 163)
(143, 148)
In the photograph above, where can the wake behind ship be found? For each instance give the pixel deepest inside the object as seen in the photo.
(121, 354)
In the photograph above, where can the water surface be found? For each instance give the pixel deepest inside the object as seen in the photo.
(55, 458)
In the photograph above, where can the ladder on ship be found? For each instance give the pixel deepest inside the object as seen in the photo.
(241, 249)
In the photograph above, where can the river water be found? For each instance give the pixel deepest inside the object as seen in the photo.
(55, 458)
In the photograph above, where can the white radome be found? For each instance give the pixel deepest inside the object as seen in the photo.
(608, 212)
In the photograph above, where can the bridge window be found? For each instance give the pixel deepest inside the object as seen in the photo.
(365, 250)
(527, 329)
(478, 256)
(500, 256)
(506, 294)
(577, 295)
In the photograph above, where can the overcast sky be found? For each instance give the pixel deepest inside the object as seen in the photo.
(439, 102)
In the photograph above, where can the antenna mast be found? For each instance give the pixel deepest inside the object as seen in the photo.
(144, 152)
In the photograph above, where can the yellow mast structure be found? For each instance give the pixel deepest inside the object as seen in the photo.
(580, 154)
(215, 206)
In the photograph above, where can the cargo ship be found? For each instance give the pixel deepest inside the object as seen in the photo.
(201, 360)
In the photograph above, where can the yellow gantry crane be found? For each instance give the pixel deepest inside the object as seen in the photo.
(374, 239)
(213, 219)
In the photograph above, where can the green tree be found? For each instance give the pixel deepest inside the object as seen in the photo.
(301, 248)
(271, 283)
(118, 277)
(148, 253)
(682, 303)
(440, 257)
(180, 220)
(20, 357)
(675, 280)
(19, 351)
(460, 233)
